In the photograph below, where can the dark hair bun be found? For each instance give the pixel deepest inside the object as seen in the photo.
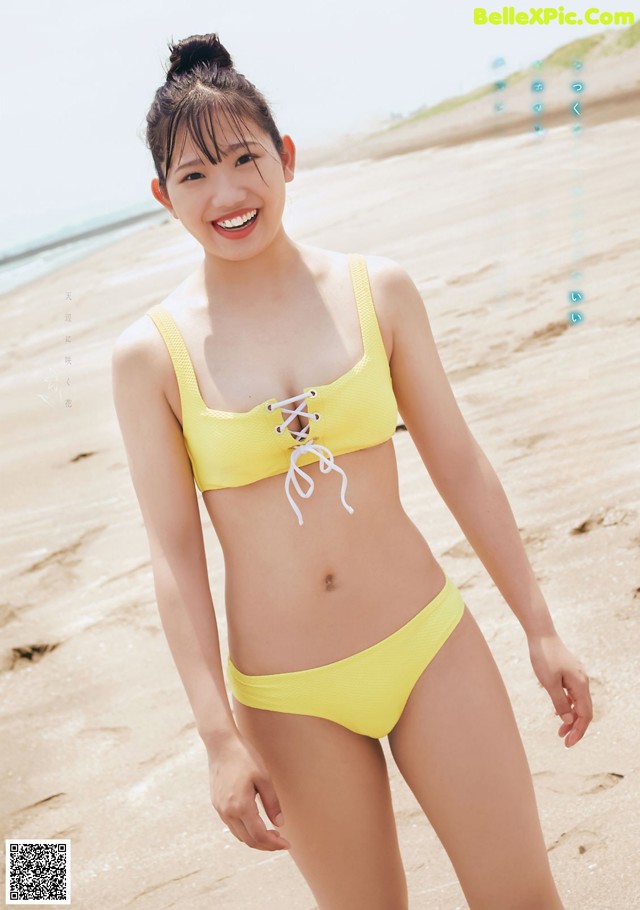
(197, 49)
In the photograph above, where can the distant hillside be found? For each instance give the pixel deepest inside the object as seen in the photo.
(611, 74)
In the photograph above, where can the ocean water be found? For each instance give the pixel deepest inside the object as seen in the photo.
(24, 263)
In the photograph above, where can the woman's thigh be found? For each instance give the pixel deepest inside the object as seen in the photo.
(333, 789)
(458, 747)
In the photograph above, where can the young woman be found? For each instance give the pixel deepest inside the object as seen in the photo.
(273, 376)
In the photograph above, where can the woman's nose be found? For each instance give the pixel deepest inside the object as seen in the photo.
(227, 194)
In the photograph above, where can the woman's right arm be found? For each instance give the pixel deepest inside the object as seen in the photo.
(163, 482)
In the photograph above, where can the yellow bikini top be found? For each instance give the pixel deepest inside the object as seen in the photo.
(355, 411)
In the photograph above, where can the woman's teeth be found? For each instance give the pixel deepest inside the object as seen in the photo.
(241, 220)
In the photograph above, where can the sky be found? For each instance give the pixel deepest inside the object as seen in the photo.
(78, 79)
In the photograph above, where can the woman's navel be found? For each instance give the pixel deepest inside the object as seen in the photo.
(329, 581)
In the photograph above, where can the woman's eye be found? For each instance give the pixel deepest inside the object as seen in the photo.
(241, 159)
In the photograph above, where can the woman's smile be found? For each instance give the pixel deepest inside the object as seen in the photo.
(237, 225)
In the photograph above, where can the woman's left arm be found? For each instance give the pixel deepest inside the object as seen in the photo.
(470, 487)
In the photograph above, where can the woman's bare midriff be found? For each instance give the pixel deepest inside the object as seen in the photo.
(299, 596)
(302, 596)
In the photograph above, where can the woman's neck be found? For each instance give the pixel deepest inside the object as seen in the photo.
(227, 282)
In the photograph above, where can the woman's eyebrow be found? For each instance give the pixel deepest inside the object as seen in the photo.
(223, 149)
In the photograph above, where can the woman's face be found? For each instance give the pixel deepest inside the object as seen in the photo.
(211, 200)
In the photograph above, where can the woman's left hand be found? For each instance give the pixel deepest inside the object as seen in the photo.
(567, 683)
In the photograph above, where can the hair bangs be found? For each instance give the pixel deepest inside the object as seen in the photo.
(194, 118)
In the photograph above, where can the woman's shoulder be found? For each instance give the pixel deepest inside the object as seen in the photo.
(389, 280)
(140, 338)
(381, 269)
(140, 348)
(137, 342)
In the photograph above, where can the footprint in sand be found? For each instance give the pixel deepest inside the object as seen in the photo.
(603, 781)
(606, 518)
(9, 612)
(142, 566)
(579, 840)
(21, 655)
(461, 549)
(528, 442)
(626, 609)
(462, 373)
(546, 333)
(82, 455)
(470, 277)
(18, 816)
(534, 538)
(167, 755)
(138, 614)
(68, 556)
(73, 832)
(525, 444)
(153, 889)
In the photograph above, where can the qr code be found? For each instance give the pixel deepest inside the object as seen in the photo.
(38, 872)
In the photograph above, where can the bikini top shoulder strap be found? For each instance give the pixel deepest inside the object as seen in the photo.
(369, 325)
(182, 365)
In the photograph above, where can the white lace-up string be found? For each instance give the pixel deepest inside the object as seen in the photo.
(306, 445)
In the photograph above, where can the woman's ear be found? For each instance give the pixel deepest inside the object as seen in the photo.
(161, 195)
(288, 156)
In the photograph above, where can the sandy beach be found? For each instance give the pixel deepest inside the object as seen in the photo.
(99, 745)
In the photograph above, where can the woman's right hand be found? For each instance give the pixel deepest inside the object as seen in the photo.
(236, 773)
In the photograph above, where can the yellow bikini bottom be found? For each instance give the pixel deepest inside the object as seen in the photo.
(367, 691)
